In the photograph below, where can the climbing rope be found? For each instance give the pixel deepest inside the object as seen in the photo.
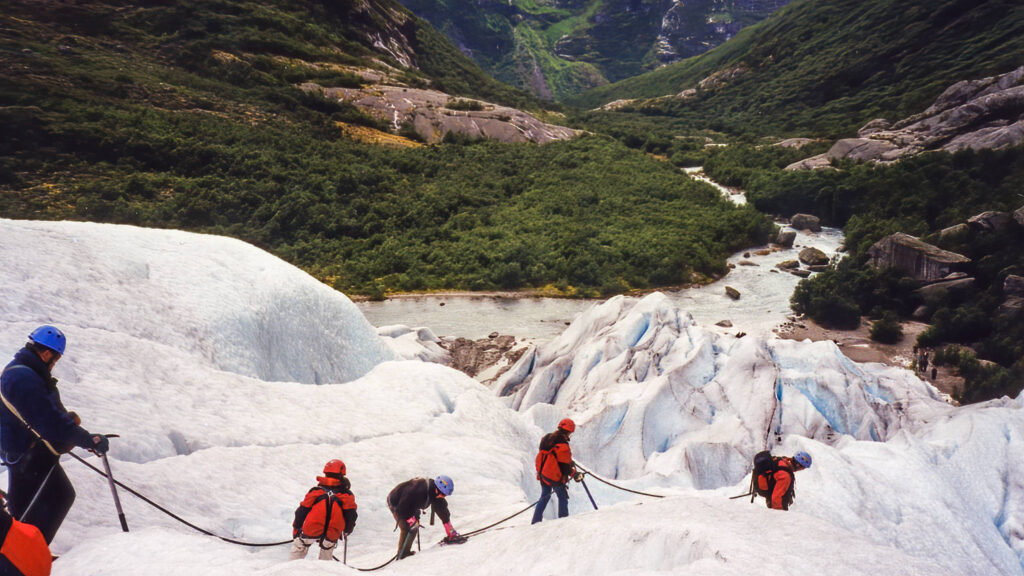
(603, 481)
(172, 514)
(485, 528)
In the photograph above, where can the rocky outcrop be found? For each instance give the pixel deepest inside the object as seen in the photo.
(722, 77)
(794, 142)
(1018, 216)
(954, 231)
(427, 112)
(922, 261)
(732, 293)
(474, 357)
(813, 257)
(788, 265)
(805, 222)
(1013, 292)
(956, 287)
(991, 221)
(975, 114)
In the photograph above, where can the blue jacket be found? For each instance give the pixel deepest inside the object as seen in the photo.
(27, 385)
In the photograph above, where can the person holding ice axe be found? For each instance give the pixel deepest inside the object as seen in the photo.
(35, 429)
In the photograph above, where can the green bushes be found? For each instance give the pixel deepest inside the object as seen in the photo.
(887, 329)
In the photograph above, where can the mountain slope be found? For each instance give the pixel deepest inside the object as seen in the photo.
(192, 115)
(829, 66)
(557, 49)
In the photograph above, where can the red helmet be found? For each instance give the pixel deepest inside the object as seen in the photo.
(567, 424)
(334, 468)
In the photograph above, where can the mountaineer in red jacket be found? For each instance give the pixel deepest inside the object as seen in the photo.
(776, 484)
(327, 511)
(23, 550)
(554, 468)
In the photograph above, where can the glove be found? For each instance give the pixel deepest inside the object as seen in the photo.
(578, 476)
(413, 522)
(74, 416)
(100, 444)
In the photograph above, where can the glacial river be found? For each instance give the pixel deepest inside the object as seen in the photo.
(763, 304)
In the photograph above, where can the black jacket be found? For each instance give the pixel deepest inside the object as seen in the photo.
(410, 497)
(27, 385)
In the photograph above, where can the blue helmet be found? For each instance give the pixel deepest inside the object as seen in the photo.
(444, 485)
(803, 459)
(49, 337)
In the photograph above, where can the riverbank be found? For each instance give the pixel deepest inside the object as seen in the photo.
(858, 346)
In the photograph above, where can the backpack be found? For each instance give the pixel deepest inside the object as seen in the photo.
(548, 471)
(765, 467)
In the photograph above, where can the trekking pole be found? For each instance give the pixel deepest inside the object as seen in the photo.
(344, 553)
(418, 549)
(113, 489)
(35, 497)
(584, 482)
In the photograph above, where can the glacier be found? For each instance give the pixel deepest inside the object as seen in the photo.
(232, 378)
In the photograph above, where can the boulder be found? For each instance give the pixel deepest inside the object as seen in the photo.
(788, 265)
(724, 324)
(786, 238)
(732, 293)
(813, 257)
(818, 268)
(805, 222)
(861, 149)
(819, 162)
(991, 221)
(920, 313)
(1018, 216)
(873, 127)
(958, 288)
(953, 231)
(1013, 291)
(920, 260)
(800, 273)
(748, 263)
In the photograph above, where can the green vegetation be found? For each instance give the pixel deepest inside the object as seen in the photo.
(123, 116)
(559, 49)
(887, 329)
(920, 196)
(826, 67)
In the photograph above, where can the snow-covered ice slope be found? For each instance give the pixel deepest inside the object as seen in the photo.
(232, 446)
(227, 304)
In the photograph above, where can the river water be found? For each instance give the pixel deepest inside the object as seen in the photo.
(763, 304)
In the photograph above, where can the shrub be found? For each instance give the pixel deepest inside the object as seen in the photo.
(887, 329)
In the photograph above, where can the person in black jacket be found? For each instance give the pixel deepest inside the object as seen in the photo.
(35, 429)
(409, 498)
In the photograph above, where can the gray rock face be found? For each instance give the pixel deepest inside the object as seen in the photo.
(475, 356)
(786, 238)
(1013, 292)
(427, 112)
(991, 221)
(977, 114)
(813, 257)
(953, 287)
(805, 222)
(953, 231)
(1018, 216)
(920, 260)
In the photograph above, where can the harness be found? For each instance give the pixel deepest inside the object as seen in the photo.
(328, 495)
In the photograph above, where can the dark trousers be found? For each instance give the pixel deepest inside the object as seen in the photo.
(545, 496)
(405, 536)
(40, 472)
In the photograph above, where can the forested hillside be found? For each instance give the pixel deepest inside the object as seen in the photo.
(824, 68)
(188, 115)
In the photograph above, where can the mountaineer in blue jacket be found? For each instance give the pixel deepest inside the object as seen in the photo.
(35, 429)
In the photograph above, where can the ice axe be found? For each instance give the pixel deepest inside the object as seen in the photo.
(582, 481)
(113, 488)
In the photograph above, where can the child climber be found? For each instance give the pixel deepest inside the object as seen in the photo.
(327, 511)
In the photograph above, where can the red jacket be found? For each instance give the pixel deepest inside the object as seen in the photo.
(313, 517)
(782, 493)
(23, 551)
(554, 460)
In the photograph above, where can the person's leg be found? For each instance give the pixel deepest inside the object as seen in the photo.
(545, 495)
(327, 549)
(25, 477)
(563, 500)
(299, 547)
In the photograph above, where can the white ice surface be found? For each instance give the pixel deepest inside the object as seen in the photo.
(232, 446)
